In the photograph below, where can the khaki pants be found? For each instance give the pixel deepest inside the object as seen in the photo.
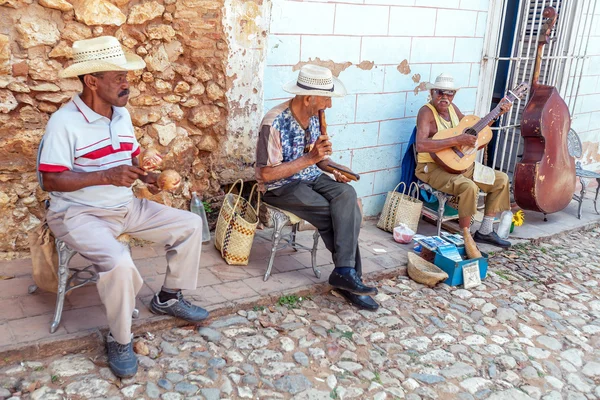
(92, 233)
(466, 190)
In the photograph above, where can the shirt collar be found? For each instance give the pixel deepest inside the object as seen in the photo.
(92, 116)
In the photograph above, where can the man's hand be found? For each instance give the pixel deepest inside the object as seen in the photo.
(150, 181)
(321, 149)
(123, 175)
(466, 140)
(340, 177)
(504, 108)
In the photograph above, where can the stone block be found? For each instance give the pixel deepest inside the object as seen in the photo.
(396, 131)
(385, 50)
(429, 50)
(395, 81)
(343, 110)
(291, 17)
(358, 80)
(336, 48)
(364, 187)
(409, 21)
(361, 20)
(455, 23)
(283, 49)
(386, 180)
(380, 106)
(352, 136)
(468, 50)
(376, 158)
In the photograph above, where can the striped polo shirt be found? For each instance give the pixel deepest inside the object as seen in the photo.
(80, 140)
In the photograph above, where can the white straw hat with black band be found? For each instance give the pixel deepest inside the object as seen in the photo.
(444, 82)
(314, 80)
(100, 54)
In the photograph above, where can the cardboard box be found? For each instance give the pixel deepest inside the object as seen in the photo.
(454, 269)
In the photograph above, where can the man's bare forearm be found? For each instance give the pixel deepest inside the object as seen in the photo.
(286, 169)
(432, 146)
(69, 181)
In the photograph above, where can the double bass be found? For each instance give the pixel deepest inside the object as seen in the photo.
(544, 179)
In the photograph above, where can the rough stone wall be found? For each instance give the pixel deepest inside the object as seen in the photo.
(178, 103)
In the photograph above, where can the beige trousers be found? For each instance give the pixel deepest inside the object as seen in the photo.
(466, 190)
(92, 233)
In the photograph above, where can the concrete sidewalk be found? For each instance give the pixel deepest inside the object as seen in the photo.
(25, 318)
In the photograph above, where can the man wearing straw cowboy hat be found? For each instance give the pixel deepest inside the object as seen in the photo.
(440, 113)
(88, 163)
(289, 147)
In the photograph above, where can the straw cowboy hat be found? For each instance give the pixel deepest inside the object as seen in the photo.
(314, 80)
(100, 54)
(444, 82)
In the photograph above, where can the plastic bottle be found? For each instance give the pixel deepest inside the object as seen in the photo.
(504, 226)
(197, 207)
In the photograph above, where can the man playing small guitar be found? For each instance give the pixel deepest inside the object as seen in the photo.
(440, 114)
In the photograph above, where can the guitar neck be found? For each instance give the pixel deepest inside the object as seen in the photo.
(485, 121)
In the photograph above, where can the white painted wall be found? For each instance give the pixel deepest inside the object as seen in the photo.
(586, 116)
(370, 126)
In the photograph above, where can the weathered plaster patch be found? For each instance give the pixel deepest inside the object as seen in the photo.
(422, 86)
(404, 68)
(366, 65)
(336, 68)
(416, 78)
(246, 24)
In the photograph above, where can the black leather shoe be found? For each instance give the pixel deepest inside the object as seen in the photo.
(491, 238)
(364, 302)
(350, 282)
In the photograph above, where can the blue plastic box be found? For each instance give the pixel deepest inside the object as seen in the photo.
(454, 269)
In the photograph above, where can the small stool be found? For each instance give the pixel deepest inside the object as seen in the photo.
(276, 218)
(442, 199)
(71, 278)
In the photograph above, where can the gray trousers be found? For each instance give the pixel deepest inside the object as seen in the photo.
(332, 208)
(92, 233)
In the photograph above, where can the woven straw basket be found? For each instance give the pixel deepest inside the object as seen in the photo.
(401, 207)
(424, 272)
(236, 226)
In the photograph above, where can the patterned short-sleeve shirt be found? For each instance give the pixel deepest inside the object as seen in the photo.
(282, 139)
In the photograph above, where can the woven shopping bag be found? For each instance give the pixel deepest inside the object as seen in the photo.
(44, 257)
(236, 226)
(401, 207)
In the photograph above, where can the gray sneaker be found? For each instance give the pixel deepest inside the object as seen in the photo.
(179, 307)
(121, 358)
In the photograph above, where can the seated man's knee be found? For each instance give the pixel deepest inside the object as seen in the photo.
(468, 187)
(121, 260)
(502, 179)
(349, 193)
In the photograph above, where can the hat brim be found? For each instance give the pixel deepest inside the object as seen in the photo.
(430, 86)
(339, 90)
(134, 62)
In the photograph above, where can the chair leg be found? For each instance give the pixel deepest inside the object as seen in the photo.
(293, 237)
(582, 195)
(279, 221)
(441, 208)
(596, 198)
(313, 254)
(64, 256)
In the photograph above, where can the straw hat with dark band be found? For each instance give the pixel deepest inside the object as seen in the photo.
(100, 54)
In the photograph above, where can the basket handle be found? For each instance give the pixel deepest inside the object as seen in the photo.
(398, 185)
(415, 191)
(254, 187)
(241, 182)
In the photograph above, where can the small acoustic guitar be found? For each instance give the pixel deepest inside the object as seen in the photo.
(457, 160)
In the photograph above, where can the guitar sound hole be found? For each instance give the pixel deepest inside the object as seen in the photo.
(470, 131)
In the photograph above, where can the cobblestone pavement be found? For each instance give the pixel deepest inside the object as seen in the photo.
(530, 331)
